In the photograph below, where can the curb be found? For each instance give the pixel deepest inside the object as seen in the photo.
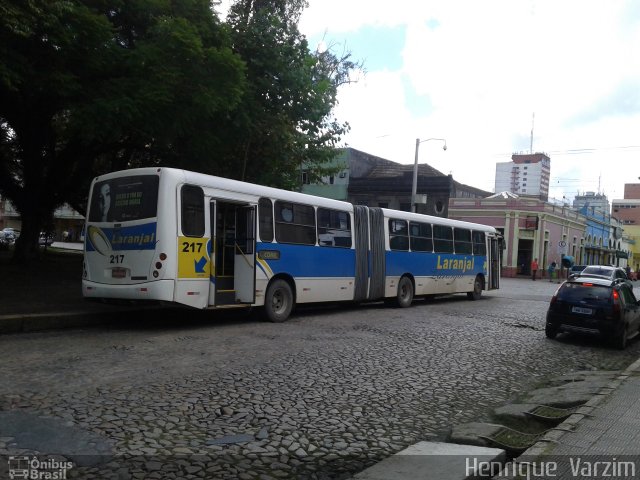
(51, 321)
(554, 435)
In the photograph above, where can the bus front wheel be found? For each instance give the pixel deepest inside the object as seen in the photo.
(405, 292)
(278, 302)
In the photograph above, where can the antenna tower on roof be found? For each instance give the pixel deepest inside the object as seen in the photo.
(533, 119)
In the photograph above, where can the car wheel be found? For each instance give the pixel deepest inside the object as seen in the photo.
(620, 340)
(405, 292)
(278, 301)
(477, 289)
(550, 331)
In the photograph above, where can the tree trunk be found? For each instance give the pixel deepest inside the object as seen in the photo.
(27, 247)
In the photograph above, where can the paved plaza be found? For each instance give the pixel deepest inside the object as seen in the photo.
(323, 396)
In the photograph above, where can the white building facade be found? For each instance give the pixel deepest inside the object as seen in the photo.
(525, 175)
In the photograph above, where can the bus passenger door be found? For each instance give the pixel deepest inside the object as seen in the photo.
(493, 261)
(212, 252)
(245, 255)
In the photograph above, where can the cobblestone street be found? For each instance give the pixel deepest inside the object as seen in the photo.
(324, 395)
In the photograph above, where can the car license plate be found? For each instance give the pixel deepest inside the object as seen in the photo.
(584, 311)
(118, 272)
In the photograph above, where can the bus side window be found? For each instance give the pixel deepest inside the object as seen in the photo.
(334, 228)
(462, 241)
(398, 235)
(479, 244)
(421, 237)
(442, 239)
(192, 211)
(265, 216)
(295, 223)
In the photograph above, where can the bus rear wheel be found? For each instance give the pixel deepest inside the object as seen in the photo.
(405, 292)
(278, 301)
(477, 289)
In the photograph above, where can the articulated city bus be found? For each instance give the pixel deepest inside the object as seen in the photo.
(176, 236)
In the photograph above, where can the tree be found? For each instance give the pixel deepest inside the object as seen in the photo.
(285, 118)
(88, 86)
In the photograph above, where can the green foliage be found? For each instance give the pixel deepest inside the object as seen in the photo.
(285, 119)
(90, 86)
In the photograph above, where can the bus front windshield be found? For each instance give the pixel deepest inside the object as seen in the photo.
(124, 199)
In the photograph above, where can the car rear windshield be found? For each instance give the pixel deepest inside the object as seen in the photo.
(588, 293)
(124, 199)
(605, 272)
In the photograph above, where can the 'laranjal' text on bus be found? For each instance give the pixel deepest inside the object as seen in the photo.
(461, 265)
(119, 241)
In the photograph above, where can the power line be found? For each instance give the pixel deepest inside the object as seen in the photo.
(578, 151)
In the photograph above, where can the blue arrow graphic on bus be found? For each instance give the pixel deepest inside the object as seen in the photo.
(200, 265)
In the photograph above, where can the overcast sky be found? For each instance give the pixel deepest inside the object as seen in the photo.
(476, 73)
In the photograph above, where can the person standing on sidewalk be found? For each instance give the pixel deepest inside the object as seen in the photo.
(551, 269)
(534, 268)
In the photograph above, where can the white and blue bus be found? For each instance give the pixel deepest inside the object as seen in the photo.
(176, 236)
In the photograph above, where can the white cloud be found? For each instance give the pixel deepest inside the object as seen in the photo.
(485, 68)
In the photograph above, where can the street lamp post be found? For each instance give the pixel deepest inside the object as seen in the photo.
(414, 187)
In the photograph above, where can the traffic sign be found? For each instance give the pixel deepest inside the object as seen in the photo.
(563, 248)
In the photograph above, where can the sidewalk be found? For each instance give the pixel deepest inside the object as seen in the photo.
(605, 430)
(601, 440)
(48, 294)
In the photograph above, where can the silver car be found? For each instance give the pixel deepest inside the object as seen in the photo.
(606, 271)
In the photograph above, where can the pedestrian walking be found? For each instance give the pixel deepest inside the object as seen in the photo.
(534, 268)
(551, 269)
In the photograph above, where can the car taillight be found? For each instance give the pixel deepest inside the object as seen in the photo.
(616, 302)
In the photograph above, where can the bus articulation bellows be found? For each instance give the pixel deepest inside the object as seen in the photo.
(176, 236)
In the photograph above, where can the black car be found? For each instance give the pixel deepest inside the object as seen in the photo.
(594, 305)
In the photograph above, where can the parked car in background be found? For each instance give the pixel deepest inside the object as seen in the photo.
(606, 271)
(594, 305)
(576, 269)
(45, 239)
(11, 234)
